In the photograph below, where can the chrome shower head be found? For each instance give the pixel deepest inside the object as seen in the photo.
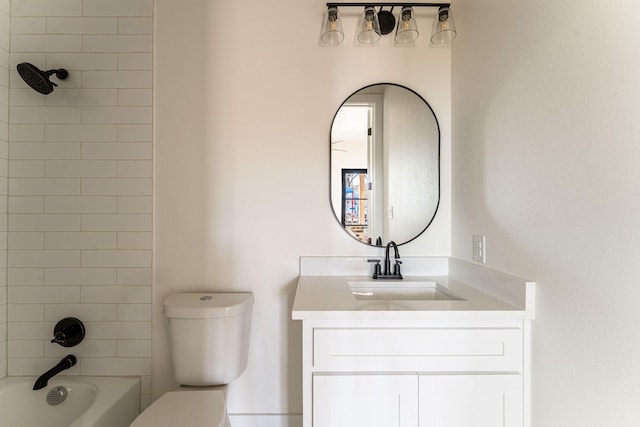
(37, 79)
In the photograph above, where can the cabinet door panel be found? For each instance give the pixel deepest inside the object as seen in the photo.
(365, 400)
(471, 401)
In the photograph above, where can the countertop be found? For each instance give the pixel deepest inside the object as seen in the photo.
(329, 297)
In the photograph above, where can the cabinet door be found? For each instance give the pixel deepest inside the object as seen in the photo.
(471, 401)
(365, 400)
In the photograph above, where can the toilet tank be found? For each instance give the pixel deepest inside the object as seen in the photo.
(209, 335)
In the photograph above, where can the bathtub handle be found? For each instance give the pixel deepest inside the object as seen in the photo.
(68, 332)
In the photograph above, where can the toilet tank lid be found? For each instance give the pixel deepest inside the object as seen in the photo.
(207, 305)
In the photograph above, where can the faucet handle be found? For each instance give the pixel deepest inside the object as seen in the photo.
(68, 332)
(377, 270)
(396, 269)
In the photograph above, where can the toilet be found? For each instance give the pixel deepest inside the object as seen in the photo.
(209, 334)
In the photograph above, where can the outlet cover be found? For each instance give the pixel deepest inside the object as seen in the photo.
(479, 248)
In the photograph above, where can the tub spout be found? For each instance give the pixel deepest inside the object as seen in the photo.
(67, 362)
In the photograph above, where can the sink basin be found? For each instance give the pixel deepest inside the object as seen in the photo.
(400, 290)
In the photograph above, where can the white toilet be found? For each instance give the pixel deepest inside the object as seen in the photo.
(209, 335)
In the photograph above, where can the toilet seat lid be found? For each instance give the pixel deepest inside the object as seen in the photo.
(201, 408)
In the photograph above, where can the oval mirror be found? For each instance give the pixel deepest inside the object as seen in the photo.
(385, 164)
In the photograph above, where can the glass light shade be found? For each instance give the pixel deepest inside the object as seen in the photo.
(444, 30)
(407, 29)
(332, 27)
(369, 26)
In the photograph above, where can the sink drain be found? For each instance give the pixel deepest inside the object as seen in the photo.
(56, 395)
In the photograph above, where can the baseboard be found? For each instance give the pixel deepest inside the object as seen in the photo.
(265, 420)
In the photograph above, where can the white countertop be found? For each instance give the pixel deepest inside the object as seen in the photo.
(329, 297)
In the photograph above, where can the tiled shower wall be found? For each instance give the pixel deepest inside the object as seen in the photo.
(80, 186)
(4, 169)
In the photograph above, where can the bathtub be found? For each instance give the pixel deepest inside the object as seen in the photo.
(89, 402)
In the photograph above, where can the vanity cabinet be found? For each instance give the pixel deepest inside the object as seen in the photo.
(431, 373)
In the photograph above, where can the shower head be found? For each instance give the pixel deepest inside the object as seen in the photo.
(38, 79)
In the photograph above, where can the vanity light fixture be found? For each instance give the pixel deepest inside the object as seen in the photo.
(374, 24)
(332, 28)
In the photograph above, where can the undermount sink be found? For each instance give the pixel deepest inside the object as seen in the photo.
(400, 290)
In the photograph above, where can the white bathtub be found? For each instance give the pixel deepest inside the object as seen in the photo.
(90, 402)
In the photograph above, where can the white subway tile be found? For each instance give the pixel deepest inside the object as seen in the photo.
(134, 348)
(118, 8)
(135, 204)
(44, 295)
(81, 168)
(135, 240)
(25, 96)
(32, 57)
(83, 97)
(36, 366)
(114, 114)
(25, 348)
(135, 169)
(44, 222)
(80, 204)
(43, 258)
(80, 276)
(26, 133)
(135, 61)
(86, 349)
(80, 240)
(119, 151)
(48, 43)
(116, 366)
(44, 186)
(26, 240)
(46, 8)
(115, 258)
(26, 168)
(45, 115)
(82, 25)
(139, 97)
(117, 79)
(135, 133)
(117, 295)
(25, 276)
(118, 330)
(115, 43)
(134, 312)
(28, 25)
(134, 276)
(85, 312)
(38, 150)
(116, 186)
(116, 222)
(81, 133)
(30, 330)
(26, 313)
(83, 61)
(128, 25)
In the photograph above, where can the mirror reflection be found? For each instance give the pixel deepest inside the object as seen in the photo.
(385, 164)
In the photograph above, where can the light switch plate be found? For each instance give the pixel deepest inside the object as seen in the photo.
(479, 249)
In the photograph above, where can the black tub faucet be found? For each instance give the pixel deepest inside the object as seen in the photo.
(67, 362)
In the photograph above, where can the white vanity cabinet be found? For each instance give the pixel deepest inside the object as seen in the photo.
(429, 373)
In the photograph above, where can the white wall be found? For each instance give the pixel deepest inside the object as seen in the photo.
(80, 187)
(244, 97)
(546, 148)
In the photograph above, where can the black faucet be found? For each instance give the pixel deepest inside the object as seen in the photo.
(387, 273)
(67, 362)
